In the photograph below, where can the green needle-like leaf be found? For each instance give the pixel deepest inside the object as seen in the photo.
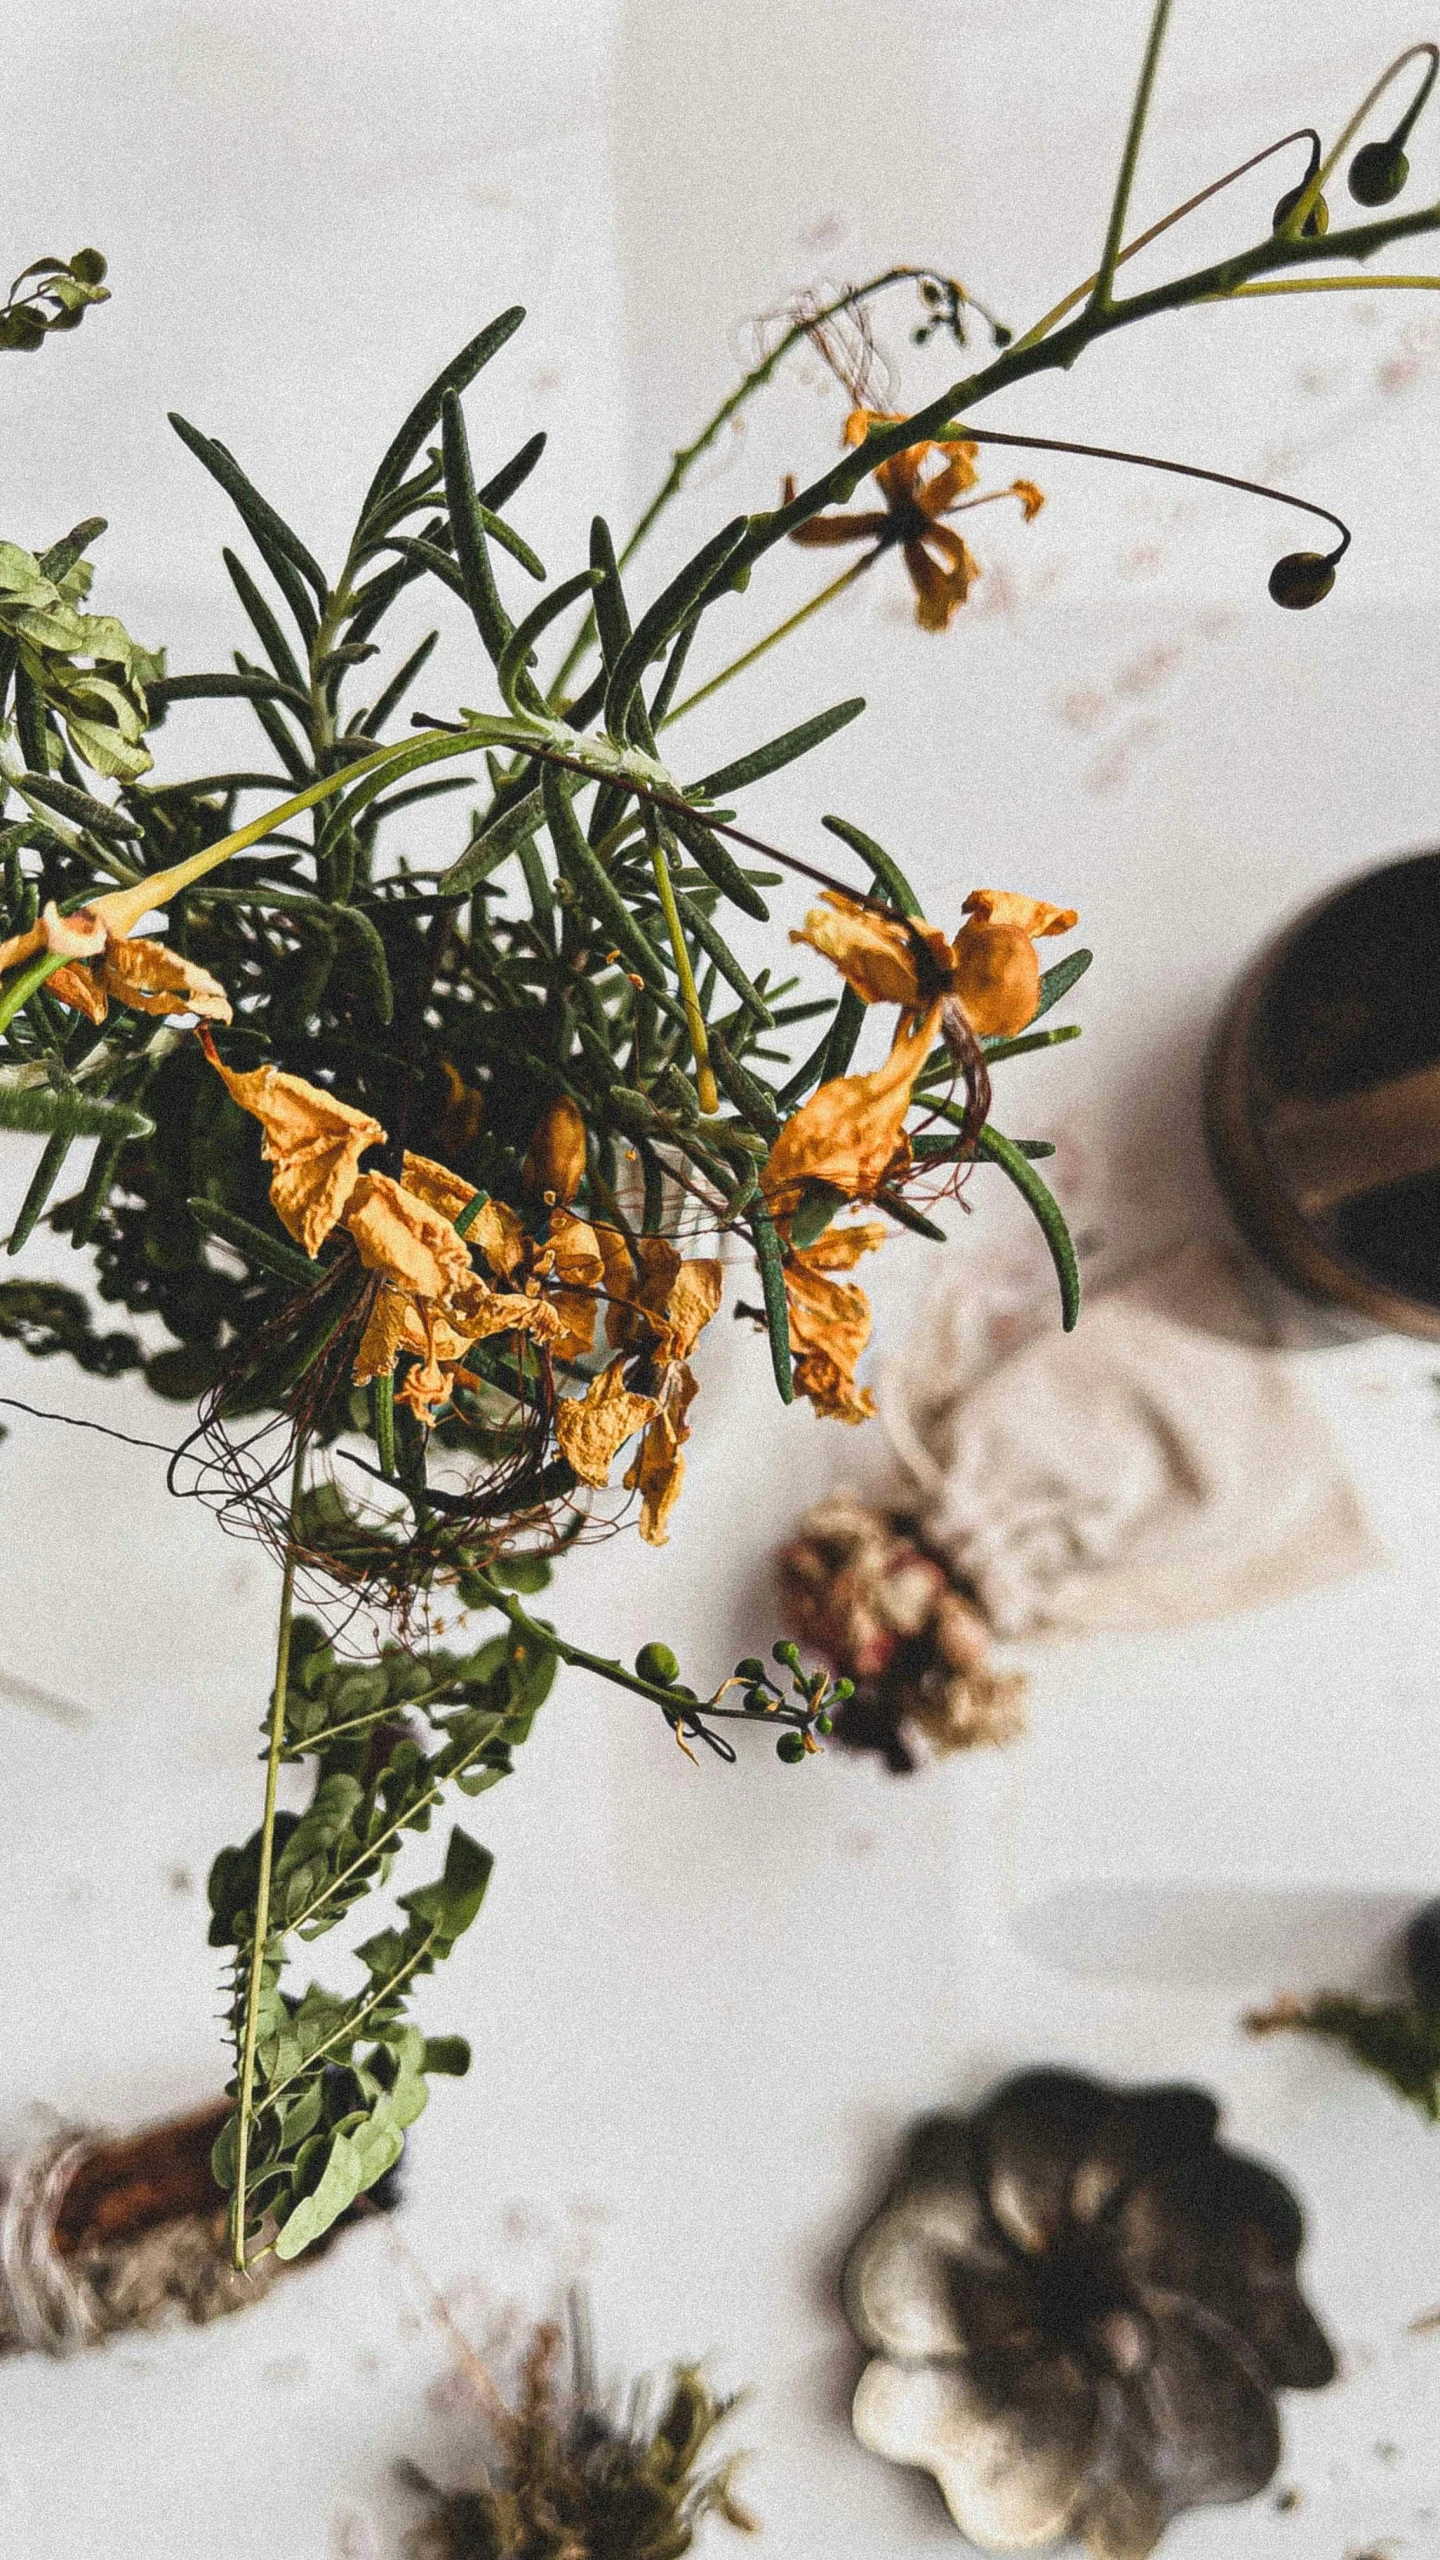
(780, 752)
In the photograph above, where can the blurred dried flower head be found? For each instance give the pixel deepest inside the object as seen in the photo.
(1080, 2307)
(561, 2479)
(861, 1590)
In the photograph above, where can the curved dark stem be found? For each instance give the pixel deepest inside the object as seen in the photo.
(1156, 462)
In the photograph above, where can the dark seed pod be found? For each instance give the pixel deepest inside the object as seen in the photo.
(790, 1748)
(750, 1669)
(1422, 1955)
(656, 1662)
(1378, 173)
(1317, 220)
(1301, 579)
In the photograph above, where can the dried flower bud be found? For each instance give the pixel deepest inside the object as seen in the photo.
(1317, 220)
(1301, 579)
(555, 1166)
(1378, 173)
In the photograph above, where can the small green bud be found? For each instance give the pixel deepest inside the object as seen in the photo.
(789, 1654)
(1317, 220)
(824, 1724)
(1378, 173)
(842, 1690)
(656, 1662)
(750, 1669)
(760, 1702)
(1301, 579)
(790, 1748)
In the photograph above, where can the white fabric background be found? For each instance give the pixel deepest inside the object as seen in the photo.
(704, 2004)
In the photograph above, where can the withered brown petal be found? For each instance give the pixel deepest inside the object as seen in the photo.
(1225, 2231)
(1138, 2132)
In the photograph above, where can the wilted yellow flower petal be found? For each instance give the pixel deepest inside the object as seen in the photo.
(393, 1326)
(1031, 498)
(658, 1469)
(880, 956)
(151, 978)
(830, 1321)
(572, 1271)
(398, 1234)
(693, 1300)
(314, 1142)
(848, 1133)
(592, 1428)
(477, 1312)
(80, 987)
(429, 1382)
(1032, 915)
(436, 1185)
(997, 969)
(500, 1237)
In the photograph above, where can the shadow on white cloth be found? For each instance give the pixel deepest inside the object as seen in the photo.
(1158, 1466)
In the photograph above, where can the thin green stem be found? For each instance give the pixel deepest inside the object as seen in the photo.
(1058, 352)
(354, 2019)
(705, 1084)
(1120, 206)
(1167, 222)
(1329, 284)
(28, 983)
(260, 1927)
(684, 459)
(781, 631)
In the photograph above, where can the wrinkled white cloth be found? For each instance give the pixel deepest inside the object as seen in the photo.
(1155, 1467)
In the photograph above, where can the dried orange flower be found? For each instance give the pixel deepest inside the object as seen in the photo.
(851, 1132)
(432, 1302)
(918, 493)
(659, 1306)
(830, 1320)
(314, 1141)
(146, 976)
(991, 966)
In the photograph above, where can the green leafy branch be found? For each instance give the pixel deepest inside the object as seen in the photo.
(59, 296)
